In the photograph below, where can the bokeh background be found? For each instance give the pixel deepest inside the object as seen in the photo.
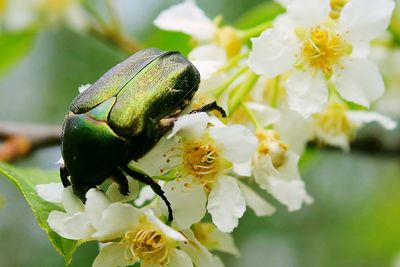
(354, 222)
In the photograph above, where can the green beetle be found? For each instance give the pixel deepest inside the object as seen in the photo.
(122, 116)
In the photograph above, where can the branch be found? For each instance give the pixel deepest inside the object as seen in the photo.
(22, 138)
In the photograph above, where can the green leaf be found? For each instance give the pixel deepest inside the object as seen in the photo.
(167, 40)
(26, 180)
(13, 47)
(259, 14)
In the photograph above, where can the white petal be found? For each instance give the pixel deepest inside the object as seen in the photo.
(96, 203)
(157, 161)
(188, 201)
(273, 53)
(244, 168)
(263, 169)
(115, 196)
(290, 170)
(168, 231)
(294, 130)
(260, 206)
(191, 125)
(358, 80)
(201, 257)
(187, 18)
(363, 20)
(237, 143)
(290, 193)
(60, 161)
(115, 220)
(111, 256)
(266, 115)
(307, 94)
(225, 242)
(361, 117)
(51, 192)
(308, 12)
(72, 204)
(73, 227)
(226, 204)
(146, 194)
(179, 258)
(208, 59)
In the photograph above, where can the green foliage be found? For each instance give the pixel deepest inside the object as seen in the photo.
(166, 40)
(26, 180)
(259, 14)
(13, 47)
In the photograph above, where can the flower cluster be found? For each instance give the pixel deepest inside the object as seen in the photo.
(306, 77)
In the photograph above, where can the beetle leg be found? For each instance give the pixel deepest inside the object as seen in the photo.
(64, 176)
(156, 187)
(81, 190)
(210, 107)
(120, 178)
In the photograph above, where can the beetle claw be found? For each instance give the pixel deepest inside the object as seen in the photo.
(210, 107)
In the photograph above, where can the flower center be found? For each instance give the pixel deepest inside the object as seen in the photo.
(336, 8)
(148, 244)
(3, 6)
(270, 144)
(323, 49)
(202, 232)
(200, 160)
(334, 120)
(55, 6)
(228, 38)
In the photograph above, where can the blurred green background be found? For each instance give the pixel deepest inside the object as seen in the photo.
(355, 220)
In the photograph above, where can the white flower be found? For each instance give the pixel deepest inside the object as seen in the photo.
(200, 156)
(313, 48)
(337, 125)
(143, 236)
(276, 171)
(217, 44)
(22, 14)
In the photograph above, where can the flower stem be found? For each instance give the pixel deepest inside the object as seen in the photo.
(217, 92)
(238, 95)
(252, 116)
(275, 92)
(234, 61)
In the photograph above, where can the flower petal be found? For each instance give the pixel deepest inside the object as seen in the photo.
(191, 125)
(361, 117)
(179, 258)
(115, 220)
(358, 80)
(146, 194)
(259, 205)
(188, 18)
(51, 192)
(188, 201)
(308, 12)
(244, 168)
(96, 203)
(359, 23)
(290, 170)
(115, 196)
(168, 231)
(266, 115)
(307, 94)
(112, 255)
(199, 254)
(273, 53)
(237, 143)
(226, 204)
(72, 204)
(208, 59)
(73, 227)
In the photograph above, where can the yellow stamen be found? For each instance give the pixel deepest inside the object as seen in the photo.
(271, 144)
(334, 120)
(228, 38)
(148, 244)
(323, 49)
(3, 6)
(200, 159)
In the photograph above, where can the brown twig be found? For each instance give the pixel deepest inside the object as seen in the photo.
(22, 138)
